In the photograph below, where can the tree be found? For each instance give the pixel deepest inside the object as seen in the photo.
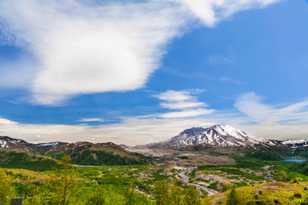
(97, 198)
(232, 200)
(6, 190)
(161, 193)
(168, 193)
(192, 197)
(129, 195)
(66, 182)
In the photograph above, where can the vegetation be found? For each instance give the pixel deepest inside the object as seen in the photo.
(105, 154)
(14, 159)
(44, 181)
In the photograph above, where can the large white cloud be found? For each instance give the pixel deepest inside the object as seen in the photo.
(79, 48)
(85, 49)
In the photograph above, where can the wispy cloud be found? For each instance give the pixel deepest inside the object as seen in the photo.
(4, 121)
(282, 122)
(175, 96)
(80, 48)
(185, 104)
(85, 120)
(212, 11)
(253, 106)
(181, 105)
(187, 113)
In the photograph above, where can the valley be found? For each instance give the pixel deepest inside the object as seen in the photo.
(216, 166)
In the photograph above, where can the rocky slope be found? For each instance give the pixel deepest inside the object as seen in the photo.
(215, 136)
(84, 153)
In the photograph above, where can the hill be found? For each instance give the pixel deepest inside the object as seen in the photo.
(264, 194)
(83, 153)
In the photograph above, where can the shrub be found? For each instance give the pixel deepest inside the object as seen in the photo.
(6, 190)
(232, 200)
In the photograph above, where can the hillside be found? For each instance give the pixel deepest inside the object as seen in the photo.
(19, 159)
(83, 153)
(264, 194)
(214, 136)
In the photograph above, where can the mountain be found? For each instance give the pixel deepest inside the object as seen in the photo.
(215, 136)
(295, 144)
(83, 153)
(14, 144)
(86, 153)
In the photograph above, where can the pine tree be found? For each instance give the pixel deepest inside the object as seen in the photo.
(232, 200)
(6, 190)
(192, 197)
(97, 198)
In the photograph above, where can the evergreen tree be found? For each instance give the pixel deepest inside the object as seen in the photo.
(97, 198)
(6, 190)
(232, 200)
(129, 195)
(192, 197)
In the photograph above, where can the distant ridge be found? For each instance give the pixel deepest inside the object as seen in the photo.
(84, 153)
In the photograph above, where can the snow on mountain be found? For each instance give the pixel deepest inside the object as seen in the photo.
(3, 144)
(49, 144)
(217, 135)
(11, 143)
(296, 143)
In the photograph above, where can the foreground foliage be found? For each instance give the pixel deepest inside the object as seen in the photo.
(250, 181)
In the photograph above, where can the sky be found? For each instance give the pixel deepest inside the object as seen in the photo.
(135, 72)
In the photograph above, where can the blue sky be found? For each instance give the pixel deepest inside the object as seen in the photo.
(143, 76)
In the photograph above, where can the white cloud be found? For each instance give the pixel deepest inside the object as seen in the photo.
(84, 49)
(15, 75)
(184, 102)
(175, 96)
(4, 121)
(212, 11)
(282, 122)
(181, 105)
(253, 106)
(130, 131)
(81, 48)
(187, 113)
(91, 120)
(143, 130)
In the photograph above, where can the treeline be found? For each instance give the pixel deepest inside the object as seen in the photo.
(68, 189)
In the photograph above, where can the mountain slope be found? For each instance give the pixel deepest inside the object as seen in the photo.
(26, 160)
(84, 153)
(14, 144)
(217, 136)
(295, 144)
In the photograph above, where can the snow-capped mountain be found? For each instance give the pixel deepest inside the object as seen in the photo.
(217, 135)
(11, 143)
(296, 143)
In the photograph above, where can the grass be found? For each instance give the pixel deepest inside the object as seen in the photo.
(265, 194)
(44, 184)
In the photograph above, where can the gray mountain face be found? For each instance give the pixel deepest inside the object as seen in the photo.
(217, 135)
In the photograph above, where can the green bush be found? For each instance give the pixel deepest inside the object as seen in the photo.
(6, 190)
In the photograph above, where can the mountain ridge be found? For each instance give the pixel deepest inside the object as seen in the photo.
(83, 153)
(216, 135)
(223, 136)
